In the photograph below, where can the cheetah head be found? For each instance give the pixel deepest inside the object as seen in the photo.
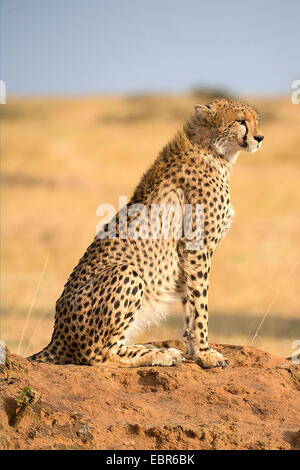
(231, 127)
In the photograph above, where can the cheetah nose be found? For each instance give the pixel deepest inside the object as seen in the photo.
(259, 138)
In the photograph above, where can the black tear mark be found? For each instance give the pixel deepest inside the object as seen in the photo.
(245, 145)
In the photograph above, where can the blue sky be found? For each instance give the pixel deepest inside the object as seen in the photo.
(123, 46)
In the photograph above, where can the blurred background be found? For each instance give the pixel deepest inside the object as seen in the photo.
(94, 90)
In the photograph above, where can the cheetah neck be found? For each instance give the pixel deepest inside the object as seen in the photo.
(231, 156)
(200, 135)
(218, 162)
(197, 132)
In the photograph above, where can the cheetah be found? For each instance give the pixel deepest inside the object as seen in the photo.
(123, 282)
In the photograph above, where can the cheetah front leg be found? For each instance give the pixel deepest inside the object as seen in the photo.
(196, 267)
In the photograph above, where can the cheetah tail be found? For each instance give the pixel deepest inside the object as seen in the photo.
(46, 355)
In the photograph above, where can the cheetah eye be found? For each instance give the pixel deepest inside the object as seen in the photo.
(241, 121)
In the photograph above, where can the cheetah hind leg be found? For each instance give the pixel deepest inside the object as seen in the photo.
(114, 352)
(140, 356)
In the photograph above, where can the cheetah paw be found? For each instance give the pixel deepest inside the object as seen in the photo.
(168, 357)
(211, 358)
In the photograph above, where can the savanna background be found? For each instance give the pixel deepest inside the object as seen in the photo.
(81, 125)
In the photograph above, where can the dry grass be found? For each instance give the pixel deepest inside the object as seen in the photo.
(61, 158)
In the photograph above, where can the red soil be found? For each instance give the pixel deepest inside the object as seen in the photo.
(253, 404)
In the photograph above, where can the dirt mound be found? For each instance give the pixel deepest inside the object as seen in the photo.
(253, 404)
